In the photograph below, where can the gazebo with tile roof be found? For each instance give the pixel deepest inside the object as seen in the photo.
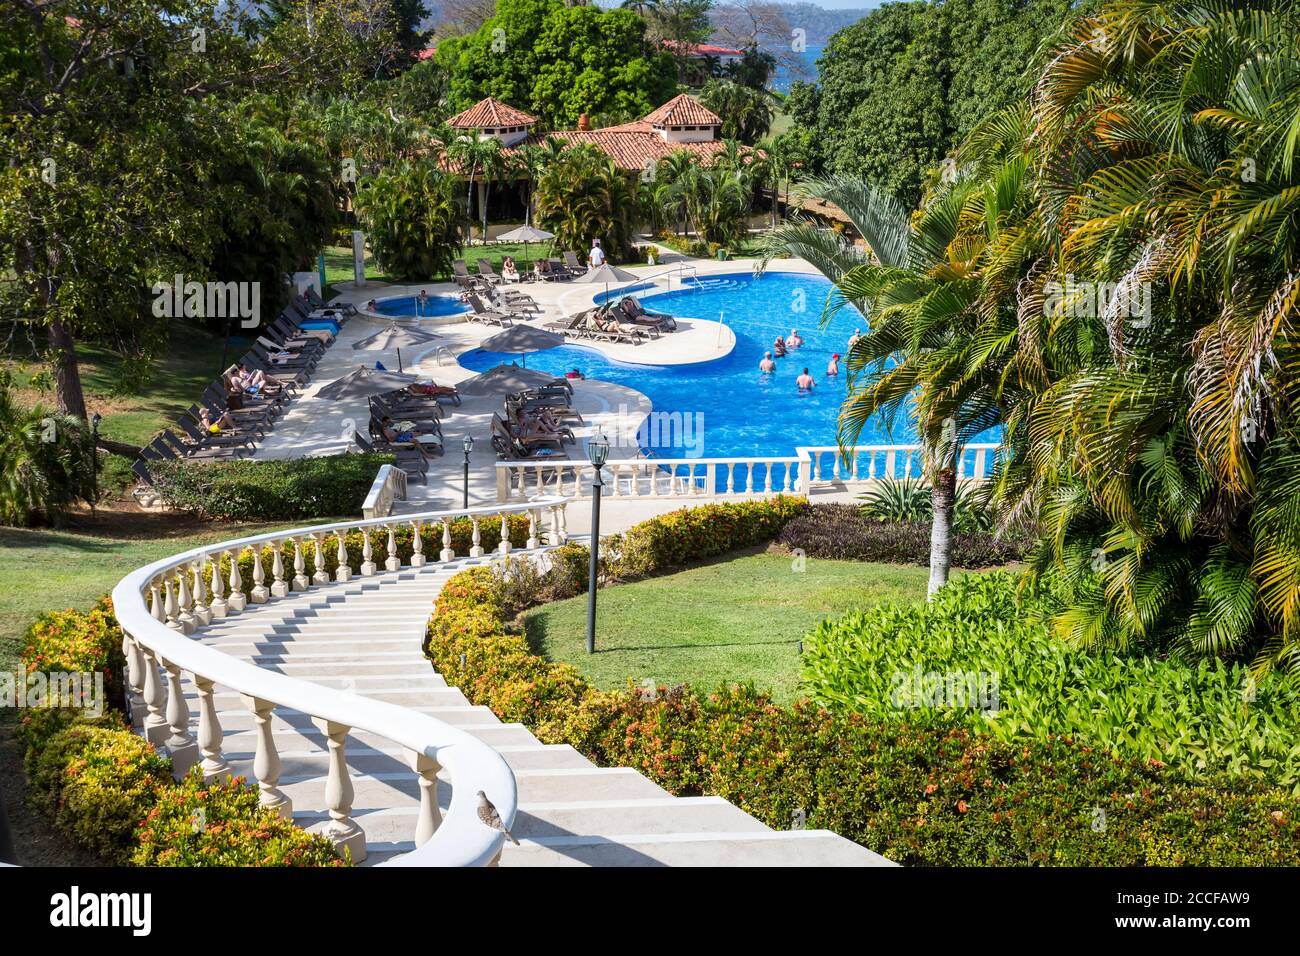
(490, 118)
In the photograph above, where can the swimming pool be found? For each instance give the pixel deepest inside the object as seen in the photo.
(743, 411)
(435, 305)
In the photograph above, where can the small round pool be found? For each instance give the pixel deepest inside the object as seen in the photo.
(727, 407)
(434, 305)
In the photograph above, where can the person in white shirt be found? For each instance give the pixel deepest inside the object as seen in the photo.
(597, 255)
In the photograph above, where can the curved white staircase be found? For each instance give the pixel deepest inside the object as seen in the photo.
(364, 636)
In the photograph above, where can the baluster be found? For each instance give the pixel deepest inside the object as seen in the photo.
(218, 607)
(731, 477)
(202, 616)
(236, 601)
(318, 560)
(341, 830)
(447, 552)
(890, 458)
(476, 548)
(214, 763)
(504, 546)
(368, 566)
(156, 601)
(767, 478)
(135, 680)
(789, 477)
(816, 466)
(394, 563)
(182, 750)
(280, 587)
(553, 534)
(344, 570)
(979, 463)
(541, 483)
(564, 523)
(871, 466)
(429, 816)
(300, 580)
(156, 727)
(532, 528)
(183, 616)
(749, 477)
(417, 545)
(266, 762)
(260, 593)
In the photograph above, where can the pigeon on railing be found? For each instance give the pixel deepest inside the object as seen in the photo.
(488, 814)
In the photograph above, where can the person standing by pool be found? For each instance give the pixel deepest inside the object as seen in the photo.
(421, 301)
(597, 255)
(767, 365)
(778, 347)
(853, 339)
(805, 382)
(834, 367)
(794, 340)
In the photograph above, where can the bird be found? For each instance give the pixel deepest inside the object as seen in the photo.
(488, 814)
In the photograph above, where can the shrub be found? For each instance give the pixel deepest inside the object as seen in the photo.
(96, 783)
(78, 642)
(908, 500)
(844, 532)
(46, 461)
(1190, 716)
(932, 793)
(268, 489)
(222, 824)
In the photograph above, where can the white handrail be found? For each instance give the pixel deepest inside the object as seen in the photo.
(156, 638)
(656, 477)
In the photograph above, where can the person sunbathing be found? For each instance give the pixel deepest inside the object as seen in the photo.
(767, 365)
(393, 433)
(540, 425)
(432, 388)
(215, 427)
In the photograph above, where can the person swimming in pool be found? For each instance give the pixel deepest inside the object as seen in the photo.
(767, 365)
(805, 382)
(833, 368)
(794, 339)
(778, 347)
(853, 339)
(372, 306)
(421, 301)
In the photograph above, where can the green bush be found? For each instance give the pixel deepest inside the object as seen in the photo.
(1196, 717)
(922, 790)
(78, 642)
(223, 824)
(96, 783)
(268, 489)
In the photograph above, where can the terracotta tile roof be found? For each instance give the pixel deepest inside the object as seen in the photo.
(700, 49)
(681, 110)
(630, 145)
(488, 113)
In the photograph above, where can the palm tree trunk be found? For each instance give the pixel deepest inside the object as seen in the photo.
(943, 495)
(482, 204)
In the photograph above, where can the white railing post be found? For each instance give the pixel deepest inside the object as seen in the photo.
(368, 566)
(344, 832)
(300, 580)
(266, 761)
(447, 553)
(279, 587)
(217, 607)
(394, 563)
(214, 763)
(156, 727)
(260, 593)
(417, 546)
(182, 750)
(429, 816)
(344, 571)
(321, 576)
(476, 540)
(202, 616)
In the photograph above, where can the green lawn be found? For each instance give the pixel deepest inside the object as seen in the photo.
(732, 620)
(338, 261)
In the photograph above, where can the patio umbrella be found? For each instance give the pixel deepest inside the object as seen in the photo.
(526, 234)
(521, 339)
(607, 274)
(363, 382)
(503, 380)
(396, 337)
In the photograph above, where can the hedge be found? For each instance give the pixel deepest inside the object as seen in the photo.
(935, 793)
(268, 489)
(845, 532)
(1195, 716)
(109, 790)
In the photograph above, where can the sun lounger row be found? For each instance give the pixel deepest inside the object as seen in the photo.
(536, 422)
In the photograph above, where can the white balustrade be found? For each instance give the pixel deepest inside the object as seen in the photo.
(809, 468)
(157, 610)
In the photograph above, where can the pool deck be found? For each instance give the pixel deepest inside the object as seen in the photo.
(313, 426)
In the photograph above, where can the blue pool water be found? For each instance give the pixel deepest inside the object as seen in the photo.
(436, 305)
(743, 412)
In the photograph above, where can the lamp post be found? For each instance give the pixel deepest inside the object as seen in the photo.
(468, 445)
(597, 453)
(95, 419)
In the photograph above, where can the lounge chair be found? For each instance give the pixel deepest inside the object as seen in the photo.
(406, 456)
(463, 277)
(488, 274)
(571, 263)
(482, 313)
(634, 312)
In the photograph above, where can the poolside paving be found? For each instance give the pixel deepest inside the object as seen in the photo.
(313, 426)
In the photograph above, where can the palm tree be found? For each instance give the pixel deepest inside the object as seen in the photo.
(746, 112)
(532, 160)
(481, 159)
(411, 217)
(585, 195)
(46, 461)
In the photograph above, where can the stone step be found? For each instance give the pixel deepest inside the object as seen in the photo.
(771, 848)
(415, 697)
(329, 675)
(287, 738)
(285, 719)
(307, 758)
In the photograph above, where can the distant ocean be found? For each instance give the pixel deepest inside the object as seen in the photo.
(784, 76)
